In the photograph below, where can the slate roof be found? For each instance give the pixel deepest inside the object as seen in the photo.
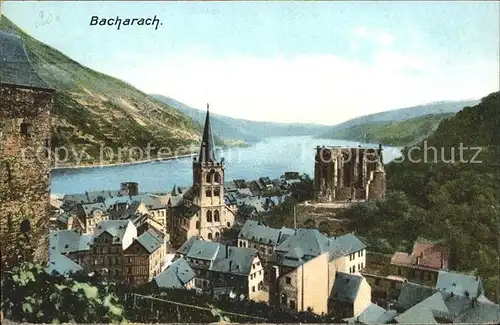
(373, 314)
(90, 197)
(452, 308)
(411, 294)
(346, 287)
(61, 264)
(207, 148)
(176, 275)
(116, 228)
(483, 312)
(199, 249)
(349, 243)
(238, 260)
(418, 314)
(312, 243)
(150, 201)
(184, 211)
(131, 211)
(151, 240)
(89, 208)
(256, 231)
(15, 66)
(68, 241)
(459, 283)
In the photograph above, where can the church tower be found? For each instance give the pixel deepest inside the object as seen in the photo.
(208, 188)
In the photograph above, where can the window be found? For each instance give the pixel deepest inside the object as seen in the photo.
(359, 254)
(216, 216)
(362, 266)
(399, 271)
(283, 299)
(292, 304)
(216, 192)
(253, 289)
(240, 244)
(209, 216)
(260, 272)
(209, 178)
(209, 235)
(362, 252)
(288, 280)
(217, 235)
(229, 225)
(359, 267)
(217, 177)
(197, 225)
(26, 129)
(208, 192)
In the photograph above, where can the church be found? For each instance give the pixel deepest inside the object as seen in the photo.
(201, 210)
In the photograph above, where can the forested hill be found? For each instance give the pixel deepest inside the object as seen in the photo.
(229, 128)
(402, 114)
(393, 133)
(439, 197)
(92, 109)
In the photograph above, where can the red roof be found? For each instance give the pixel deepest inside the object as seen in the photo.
(430, 255)
(400, 258)
(426, 255)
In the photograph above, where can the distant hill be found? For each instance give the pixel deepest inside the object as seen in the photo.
(401, 114)
(393, 133)
(92, 109)
(445, 188)
(228, 128)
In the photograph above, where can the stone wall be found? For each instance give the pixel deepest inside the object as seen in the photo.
(24, 170)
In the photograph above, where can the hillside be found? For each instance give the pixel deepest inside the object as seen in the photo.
(401, 114)
(455, 200)
(393, 133)
(92, 109)
(228, 128)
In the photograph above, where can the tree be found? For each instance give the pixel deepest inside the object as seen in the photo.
(32, 295)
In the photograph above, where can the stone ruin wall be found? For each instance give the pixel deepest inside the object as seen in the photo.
(24, 173)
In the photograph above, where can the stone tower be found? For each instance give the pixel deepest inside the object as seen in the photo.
(208, 188)
(25, 105)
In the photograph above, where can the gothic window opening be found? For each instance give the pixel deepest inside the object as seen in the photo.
(217, 235)
(208, 178)
(217, 178)
(26, 129)
(208, 193)
(25, 226)
(216, 216)
(47, 148)
(216, 192)
(209, 235)
(209, 216)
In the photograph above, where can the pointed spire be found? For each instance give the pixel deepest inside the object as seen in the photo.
(174, 191)
(207, 142)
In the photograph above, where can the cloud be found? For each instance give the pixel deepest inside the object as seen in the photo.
(385, 39)
(307, 88)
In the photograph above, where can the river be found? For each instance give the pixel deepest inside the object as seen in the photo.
(270, 157)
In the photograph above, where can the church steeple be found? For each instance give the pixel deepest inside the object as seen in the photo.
(207, 153)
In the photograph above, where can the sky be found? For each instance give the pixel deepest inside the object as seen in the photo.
(316, 62)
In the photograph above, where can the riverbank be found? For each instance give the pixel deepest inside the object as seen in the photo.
(115, 164)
